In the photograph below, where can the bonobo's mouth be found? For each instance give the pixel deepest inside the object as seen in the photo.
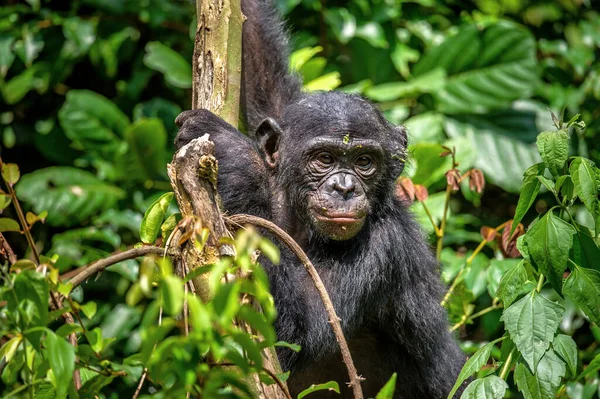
(338, 225)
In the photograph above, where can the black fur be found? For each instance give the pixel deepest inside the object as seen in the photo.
(383, 281)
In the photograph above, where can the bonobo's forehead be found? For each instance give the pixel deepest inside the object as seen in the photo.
(344, 146)
(335, 115)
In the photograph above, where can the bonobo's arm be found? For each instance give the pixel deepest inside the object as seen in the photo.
(243, 182)
(418, 323)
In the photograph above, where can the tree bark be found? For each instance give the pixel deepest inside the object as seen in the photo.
(193, 171)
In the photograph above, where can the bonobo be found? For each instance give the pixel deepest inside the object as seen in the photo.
(322, 166)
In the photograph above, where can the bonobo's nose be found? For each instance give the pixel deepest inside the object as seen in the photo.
(345, 185)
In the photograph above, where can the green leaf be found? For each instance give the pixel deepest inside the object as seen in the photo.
(89, 309)
(145, 158)
(566, 348)
(585, 252)
(583, 288)
(270, 250)
(554, 149)
(32, 287)
(496, 271)
(177, 70)
(7, 224)
(70, 195)
(529, 191)
(95, 339)
(153, 218)
(373, 33)
(283, 344)
(587, 187)
(172, 295)
(546, 380)
(328, 386)
(487, 69)
(301, 56)
(10, 173)
(511, 284)
(16, 88)
(429, 82)
(199, 315)
(9, 349)
(387, 392)
(61, 356)
(6, 55)
(490, 387)
(502, 155)
(549, 242)
(93, 122)
(591, 368)
(328, 81)
(532, 322)
(430, 167)
(475, 362)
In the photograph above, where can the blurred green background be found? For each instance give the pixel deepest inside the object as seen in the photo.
(90, 90)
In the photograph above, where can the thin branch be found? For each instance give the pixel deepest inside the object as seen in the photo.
(100, 265)
(333, 318)
(24, 223)
(279, 383)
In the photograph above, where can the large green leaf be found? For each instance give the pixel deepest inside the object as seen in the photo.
(430, 82)
(490, 387)
(532, 322)
(546, 380)
(549, 242)
(501, 153)
(587, 187)
(487, 69)
(69, 195)
(583, 288)
(177, 70)
(153, 218)
(92, 121)
(145, 158)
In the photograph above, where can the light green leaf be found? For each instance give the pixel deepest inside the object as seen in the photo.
(328, 81)
(373, 33)
(70, 195)
(490, 387)
(511, 284)
(546, 380)
(9, 349)
(487, 69)
(566, 348)
(430, 167)
(95, 339)
(172, 295)
(7, 224)
(61, 356)
(17, 87)
(300, 57)
(554, 149)
(532, 322)
(177, 70)
(153, 218)
(591, 368)
(429, 82)
(6, 55)
(587, 187)
(10, 173)
(549, 242)
(387, 392)
(495, 273)
(328, 386)
(583, 288)
(475, 362)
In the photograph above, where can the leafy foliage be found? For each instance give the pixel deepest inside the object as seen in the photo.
(90, 93)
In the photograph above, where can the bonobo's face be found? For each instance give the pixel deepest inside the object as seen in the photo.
(340, 173)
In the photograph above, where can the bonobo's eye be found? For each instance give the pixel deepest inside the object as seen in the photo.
(325, 158)
(364, 164)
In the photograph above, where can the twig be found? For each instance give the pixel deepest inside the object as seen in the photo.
(102, 264)
(139, 387)
(280, 384)
(333, 318)
(10, 255)
(24, 224)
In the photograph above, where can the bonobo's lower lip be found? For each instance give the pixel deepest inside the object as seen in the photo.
(339, 218)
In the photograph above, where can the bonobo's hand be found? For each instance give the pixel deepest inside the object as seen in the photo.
(198, 122)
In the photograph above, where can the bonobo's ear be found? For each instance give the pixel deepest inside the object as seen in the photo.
(268, 134)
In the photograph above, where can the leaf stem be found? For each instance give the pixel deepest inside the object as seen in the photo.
(442, 230)
(540, 284)
(435, 227)
(507, 364)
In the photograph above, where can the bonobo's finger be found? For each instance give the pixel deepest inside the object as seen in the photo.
(184, 116)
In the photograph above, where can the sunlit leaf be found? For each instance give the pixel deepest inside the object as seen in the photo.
(490, 387)
(328, 386)
(153, 218)
(61, 356)
(176, 69)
